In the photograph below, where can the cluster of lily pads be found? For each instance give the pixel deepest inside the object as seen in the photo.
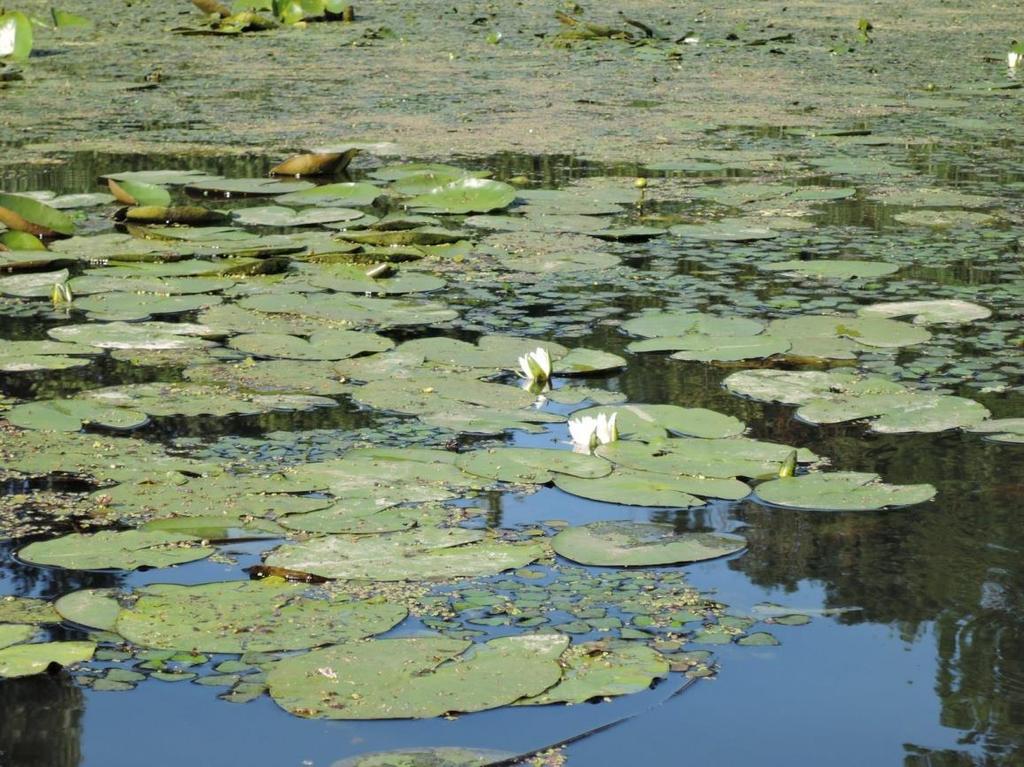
(359, 296)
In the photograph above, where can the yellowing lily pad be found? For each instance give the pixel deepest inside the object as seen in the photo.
(28, 659)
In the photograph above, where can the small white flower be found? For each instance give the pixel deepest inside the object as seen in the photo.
(1014, 59)
(583, 432)
(8, 32)
(588, 432)
(536, 365)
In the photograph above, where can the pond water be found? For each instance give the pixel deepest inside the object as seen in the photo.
(912, 651)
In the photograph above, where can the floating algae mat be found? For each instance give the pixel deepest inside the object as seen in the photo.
(436, 440)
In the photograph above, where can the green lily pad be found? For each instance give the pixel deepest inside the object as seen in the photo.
(268, 377)
(415, 677)
(139, 192)
(137, 335)
(722, 458)
(357, 310)
(489, 352)
(250, 616)
(658, 323)
(580, 361)
(649, 422)
(407, 169)
(833, 269)
(247, 187)
(821, 334)
(19, 356)
(944, 219)
(910, 411)
(277, 215)
(841, 491)
(947, 311)
(28, 659)
(125, 550)
(26, 610)
(188, 399)
(322, 345)
(1009, 430)
(706, 348)
(739, 230)
(122, 281)
(758, 639)
(466, 195)
(531, 465)
(417, 554)
(347, 278)
(592, 671)
(95, 608)
(32, 284)
(12, 634)
(333, 195)
(641, 544)
(636, 487)
(73, 415)
(141, 306)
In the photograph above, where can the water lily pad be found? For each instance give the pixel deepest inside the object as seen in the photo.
(467, 195)
(641, 544)
(187, 399)
(722, 458)
(140, 306)
(21, 356)
(944, 219)
(825, 336)
(250, 616)
(1009, 430)
(139, 192)
(404, 170)
(73, 415)
(415, 677)
(592, 671)
(26, 610)
(28, 659)
(322, 345)
(138, 335)
(647, 422)
(945, 311)
(267, 377)
(841, 491)
(125, 550)
(658, 323)
(33, 284)
(910, 411)
(833, 269)
(580, 361)
(635, 487)
(118, 281)
(724, 231)
(531, 465)
(333, 195)
(277, 215)
(247, 187)
(489, 352)
(417, 554)
(347, 278)
(12, 634)
(385, 312)
(707, 348)
(95, 608)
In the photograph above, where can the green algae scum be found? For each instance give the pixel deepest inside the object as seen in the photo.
(371, 396)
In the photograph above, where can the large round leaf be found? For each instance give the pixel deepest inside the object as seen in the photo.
(108, 550)
(524, 465)
(647, 422)
(635, 487)
(429, 757)
(641, 544)
(322, 345)
(467, 195)
(723, 458)
(418, 554)
(841, 491)
(24, 214)
(592, 671)
(250, 616)
(73, 415)
(418, 677)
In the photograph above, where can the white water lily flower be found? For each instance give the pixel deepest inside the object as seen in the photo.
(1014, 59)
(536, 365)
(588, 432)
(8, 31)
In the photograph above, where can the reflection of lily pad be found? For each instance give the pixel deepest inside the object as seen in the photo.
(250, 616)
(126, 550)
(416, 677)
(640, 544)
(841, 491)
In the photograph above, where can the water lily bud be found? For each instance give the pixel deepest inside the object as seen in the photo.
(640, 183)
